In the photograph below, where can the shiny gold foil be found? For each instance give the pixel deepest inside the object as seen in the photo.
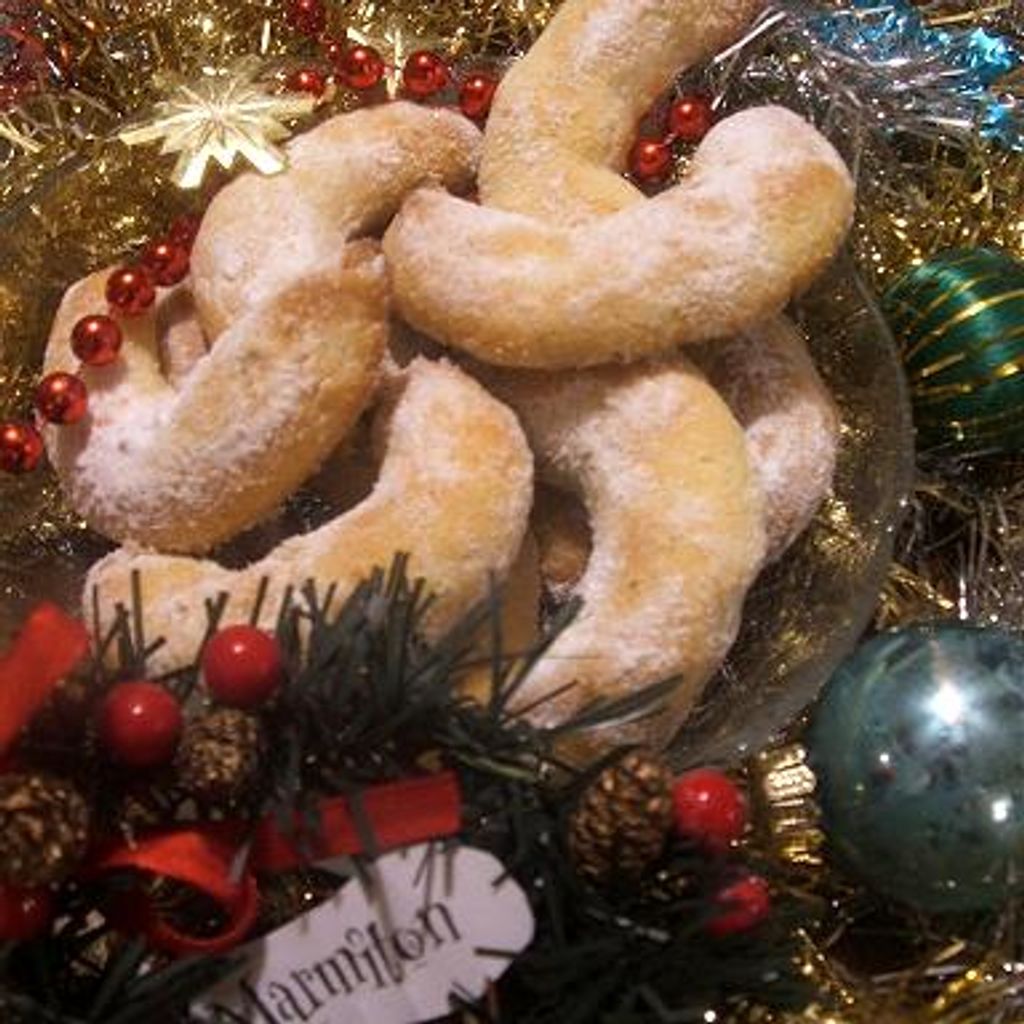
(927, 198)
(783, 787)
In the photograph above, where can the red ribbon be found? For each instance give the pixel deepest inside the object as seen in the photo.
(48, 646)
(201, 857)
(397, 814)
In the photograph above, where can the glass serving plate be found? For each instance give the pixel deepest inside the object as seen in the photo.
(807, 612)
(802, 617)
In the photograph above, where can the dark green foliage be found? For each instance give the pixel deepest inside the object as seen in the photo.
(368, 700)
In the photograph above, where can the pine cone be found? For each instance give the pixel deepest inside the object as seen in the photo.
(44, 828)
(621, 823)
(143, 806)
(219, 756)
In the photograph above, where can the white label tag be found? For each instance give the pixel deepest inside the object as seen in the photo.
(429, 924)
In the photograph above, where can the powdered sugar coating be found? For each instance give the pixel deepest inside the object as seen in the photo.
(346, 177)
(182, 462)
(765, 207)
(769, 381)
(185, 447)
(454, 493)
(678, 535)
(564, 118)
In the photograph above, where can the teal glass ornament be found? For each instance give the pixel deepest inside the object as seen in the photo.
(918, 745)
(959, 322)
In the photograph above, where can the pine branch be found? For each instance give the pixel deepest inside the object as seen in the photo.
(368, 700)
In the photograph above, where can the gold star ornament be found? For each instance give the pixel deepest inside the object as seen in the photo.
(225, 114)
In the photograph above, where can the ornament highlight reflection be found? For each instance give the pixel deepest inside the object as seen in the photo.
(918, 745)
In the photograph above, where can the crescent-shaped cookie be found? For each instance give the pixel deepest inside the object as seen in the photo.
(766, 204)
(678, 536)
(564, 118)
(345, 178)
(183, 449)
(770, 383)
(181, 461)
(453, 493)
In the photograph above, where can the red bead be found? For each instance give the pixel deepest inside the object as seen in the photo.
(709, 808)
(96, 340)
(424, 75)
(140, 724)
(334, 50)
(62, 398)
(306, 80)
(130, 290)
(744, 905)
(690, 118)
(650, 160)
(166, 261)
(360, 67)
(24, 913)
(242, 666)
(476, 96)
(21, 447)
(184, 229)
(307, 16)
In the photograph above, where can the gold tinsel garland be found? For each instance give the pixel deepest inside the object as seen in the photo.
(59, 148)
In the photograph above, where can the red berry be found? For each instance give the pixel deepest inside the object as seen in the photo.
(166, 261)
(425, 74)
(96, 340)
(24, 913)
(184, 229)
(21, 447)
(690, 118)
(360, 67)
(307, 16)
(650, 160)
(744, 905)
(243, 666)
(476, 96)
(62, 398)
(130, 290)
(709, 808)
(140, 724)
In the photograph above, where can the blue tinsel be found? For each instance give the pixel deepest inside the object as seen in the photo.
(966, 64)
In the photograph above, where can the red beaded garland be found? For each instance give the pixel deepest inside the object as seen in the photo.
(140, 723)
(24, 913)
(360, 67)
(62, 398)
(745, 904)
(650, 160)
(709, 808)
(307, 80)
(690, 118)
(477, 95)
(184, 229)
(166, 261)
(130, 290)
(21, 447)
(307, 16)
(333, 49)
(96, 340)
(243, 666)
(425, 74)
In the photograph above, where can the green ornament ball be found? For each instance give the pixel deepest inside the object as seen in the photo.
(918, 746)
(959, 322)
